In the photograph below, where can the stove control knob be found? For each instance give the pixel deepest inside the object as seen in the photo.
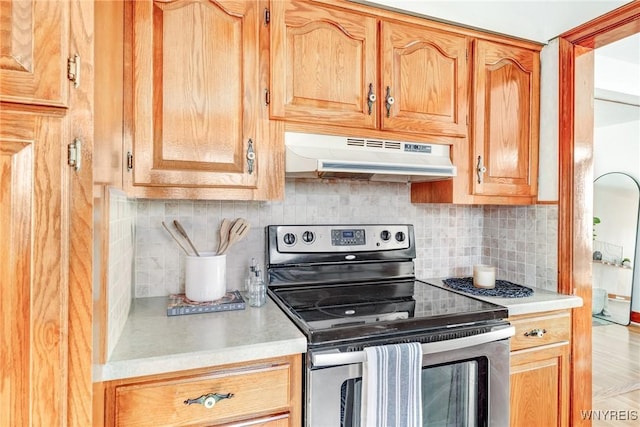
(308, 237)
(385, 235)
(400, 236)
(289, 239)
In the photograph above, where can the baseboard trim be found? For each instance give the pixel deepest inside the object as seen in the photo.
(619, 297)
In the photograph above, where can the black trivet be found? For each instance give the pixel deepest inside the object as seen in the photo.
(502, 289)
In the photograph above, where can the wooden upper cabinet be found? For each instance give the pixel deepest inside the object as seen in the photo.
(323, 64)
(505, 121)
(425, 73)
(197, 116)
(34, 51)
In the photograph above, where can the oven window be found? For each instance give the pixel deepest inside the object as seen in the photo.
(453, 395)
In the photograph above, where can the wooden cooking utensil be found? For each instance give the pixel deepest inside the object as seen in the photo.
(238, 231)
(184, 234)
(225, 226)
(175, 239)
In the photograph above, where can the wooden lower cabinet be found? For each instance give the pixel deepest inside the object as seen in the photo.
(260, 393)
(540, 353)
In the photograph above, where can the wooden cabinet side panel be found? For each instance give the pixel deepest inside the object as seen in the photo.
(108, 159)
(540, 386)
(16, 216)
(323, 63)
(34, 51)
(77, 196)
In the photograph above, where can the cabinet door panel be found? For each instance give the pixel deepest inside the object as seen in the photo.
(427, 75)
(540, 386)
(323, 61)
(506, 114)
(33, 51)
(16, 160)
(195, 86)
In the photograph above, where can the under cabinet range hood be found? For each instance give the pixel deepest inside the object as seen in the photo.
(325, 156)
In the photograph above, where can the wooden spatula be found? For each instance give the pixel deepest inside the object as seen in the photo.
(225, 226)
(238, 231)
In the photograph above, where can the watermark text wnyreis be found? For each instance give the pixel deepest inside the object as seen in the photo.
(610, 415)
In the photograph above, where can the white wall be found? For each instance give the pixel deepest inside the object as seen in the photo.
(549, 126)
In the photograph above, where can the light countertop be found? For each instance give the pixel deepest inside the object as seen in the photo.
(154, 343)
(541, 300)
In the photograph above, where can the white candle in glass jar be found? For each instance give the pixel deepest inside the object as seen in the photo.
(484, 276)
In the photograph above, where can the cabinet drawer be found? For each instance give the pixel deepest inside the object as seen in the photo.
(553, 327)
(255, 392)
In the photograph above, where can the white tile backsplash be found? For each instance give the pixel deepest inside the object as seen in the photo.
(122, 213)
(520, 241)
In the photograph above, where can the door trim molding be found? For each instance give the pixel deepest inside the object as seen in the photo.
(575, 205)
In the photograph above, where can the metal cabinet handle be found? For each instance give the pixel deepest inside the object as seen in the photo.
(208, 400)
(371, 97)
(535, 333)
(251, 156)
(480, 169)
(389, 101)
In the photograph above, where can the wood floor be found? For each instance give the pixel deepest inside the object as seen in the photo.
(616, 376)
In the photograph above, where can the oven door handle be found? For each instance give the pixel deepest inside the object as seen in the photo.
(345, 358)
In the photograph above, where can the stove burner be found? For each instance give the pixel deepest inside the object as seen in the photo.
(355, 305)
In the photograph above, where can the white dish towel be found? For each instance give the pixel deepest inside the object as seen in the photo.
(392, 386)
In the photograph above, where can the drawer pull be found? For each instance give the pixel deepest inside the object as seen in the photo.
(208, 400)
(535, 333)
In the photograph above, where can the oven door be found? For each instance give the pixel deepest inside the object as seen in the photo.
(465, 383)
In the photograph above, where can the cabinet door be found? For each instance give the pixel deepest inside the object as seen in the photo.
(323, 62)
(425, 73)
(540, 386)
(196, 113)
(505, 121)
(34, 51)
(38, 281)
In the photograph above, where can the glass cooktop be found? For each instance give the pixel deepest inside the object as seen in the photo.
(352, 311)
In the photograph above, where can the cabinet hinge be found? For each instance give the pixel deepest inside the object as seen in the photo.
(73, 69)
(466, 55)
(267, 16)
(129, 161)
(74, 154)
(267, 97)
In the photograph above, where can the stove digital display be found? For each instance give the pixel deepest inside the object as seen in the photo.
(348, 237)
